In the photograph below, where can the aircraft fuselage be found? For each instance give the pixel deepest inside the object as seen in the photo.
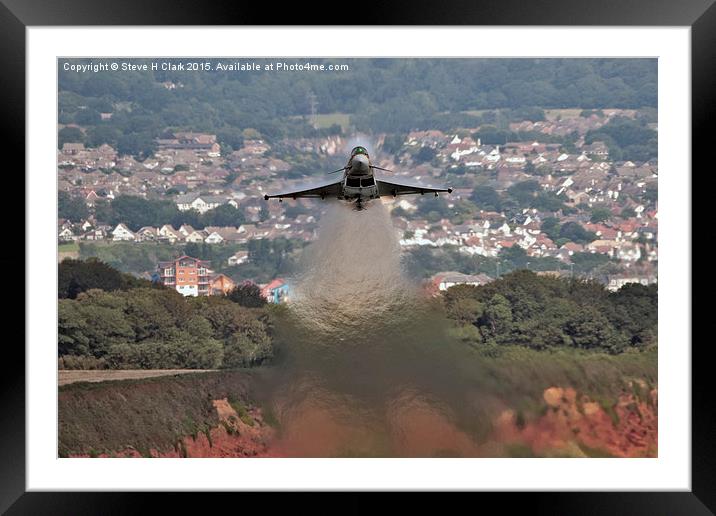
(358, 182)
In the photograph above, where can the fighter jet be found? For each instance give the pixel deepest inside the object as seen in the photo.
(358, 184)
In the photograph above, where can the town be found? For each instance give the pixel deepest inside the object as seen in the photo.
(545, 195)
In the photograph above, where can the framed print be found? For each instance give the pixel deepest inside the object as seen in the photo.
(414, 258)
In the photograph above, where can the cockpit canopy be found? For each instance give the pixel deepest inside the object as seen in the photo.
(359, 150)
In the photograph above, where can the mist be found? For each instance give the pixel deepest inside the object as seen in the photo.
(365, 365)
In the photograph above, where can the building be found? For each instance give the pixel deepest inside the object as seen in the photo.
(200, 203)
(188, 276)
(191, 141)
(221, 284)
(238, 258)
(444, 280)
(123, 233)
(276, 292)
(617, 282)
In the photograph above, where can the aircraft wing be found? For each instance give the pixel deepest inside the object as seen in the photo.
(325, 188)
(397, 187)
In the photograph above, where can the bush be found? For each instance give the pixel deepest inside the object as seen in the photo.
(81, 362)
(244, 350)
(543, 312)
(76, 276)
(247, 294)
(150, 328)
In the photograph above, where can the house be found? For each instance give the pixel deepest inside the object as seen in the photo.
(617, 282)
(188, 276)
(199, 202)
(221, 284)
(91, 198)
(444, 280)
(186, 230)
(146, 234)
(214, 238)
(238, 258)
(66, 235)
(276, 291)
(196, 237)
(629, 252)
(191, 141)
(72, 148)
(95, 234)
(217, 235)
(122, 233)
(167, 232)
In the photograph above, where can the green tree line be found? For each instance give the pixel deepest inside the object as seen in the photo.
(137, 212)
(127, 325)
(543, 312)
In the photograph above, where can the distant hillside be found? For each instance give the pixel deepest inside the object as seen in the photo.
(383, 95)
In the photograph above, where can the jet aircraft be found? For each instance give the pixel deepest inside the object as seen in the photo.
(358, 184)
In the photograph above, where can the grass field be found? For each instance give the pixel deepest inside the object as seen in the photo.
(552, 114)
(476, 112)
(329, 119)
(68, 250)
(72, 376)
(326, 120)
(69, 247)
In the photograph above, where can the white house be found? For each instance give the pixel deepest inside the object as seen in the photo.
(169, 233)
(214, 238)
(146, 233)
(122, 233)
(66, 235)
(200, 203)
(186, 230)
(238, 258)
(196, 237)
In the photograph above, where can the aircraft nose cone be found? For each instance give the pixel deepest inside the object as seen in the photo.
(360, 164)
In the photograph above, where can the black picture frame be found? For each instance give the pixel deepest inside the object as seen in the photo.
(17, 15)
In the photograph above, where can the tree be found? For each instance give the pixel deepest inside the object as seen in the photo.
(71, 339)
(247, 348)
(141, 145)
(69, 135)
(77, 276)
(72, 208)
(87, 116)
(224, 215)
(588, 328)
(574, 232)
(97, 135)
(465, 310)
(627, 213)
(586, 262)
(424, 155)
(486, 198)
(550, 227)
(498, 315)
(541, 312)
(600, 215)
(247, 294)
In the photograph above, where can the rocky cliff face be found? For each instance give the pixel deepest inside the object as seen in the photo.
(245, 435)
(569, 425)
(575, 425)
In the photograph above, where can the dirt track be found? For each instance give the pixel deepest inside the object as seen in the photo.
(71, 376)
